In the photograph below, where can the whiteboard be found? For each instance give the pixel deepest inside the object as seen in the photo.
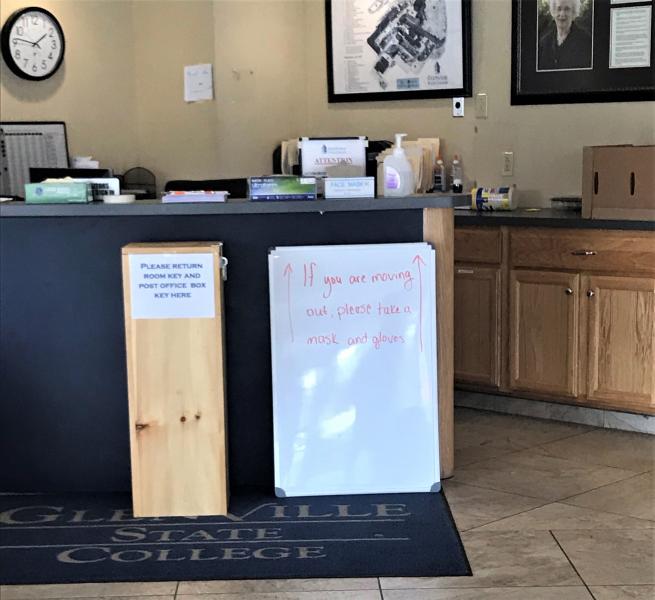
(354, 366)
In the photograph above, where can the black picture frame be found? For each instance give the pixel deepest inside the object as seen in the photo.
(422, 37)
(586, 78)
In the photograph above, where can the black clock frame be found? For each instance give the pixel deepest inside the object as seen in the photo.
(5, 47)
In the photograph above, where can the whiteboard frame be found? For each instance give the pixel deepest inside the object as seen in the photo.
(282, 489)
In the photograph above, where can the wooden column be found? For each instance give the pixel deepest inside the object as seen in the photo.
(175, 368)
(438, 230)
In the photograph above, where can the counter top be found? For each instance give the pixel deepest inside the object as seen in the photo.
(544, 217)
(232, 206)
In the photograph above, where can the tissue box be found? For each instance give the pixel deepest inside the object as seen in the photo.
(618, 182)
(58, 193)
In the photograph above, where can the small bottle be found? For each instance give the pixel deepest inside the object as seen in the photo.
(456, 172)
(439, 184)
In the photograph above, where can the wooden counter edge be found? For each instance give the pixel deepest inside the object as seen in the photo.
(438, 230)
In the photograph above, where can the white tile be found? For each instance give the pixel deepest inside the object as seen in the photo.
(623, 592)
(277, 585)
(630, 422)
(530, 473)
(502, 559)
(357, 595)
(633, 497)
(555, 411)
(474, 506)
(613, 557)
(609, 447)
(564, 516)
(88, 590)
(501, 593)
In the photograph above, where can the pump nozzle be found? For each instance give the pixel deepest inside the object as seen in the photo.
(398, 148)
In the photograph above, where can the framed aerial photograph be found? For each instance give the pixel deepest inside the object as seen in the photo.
(398, 49)
(566, 51)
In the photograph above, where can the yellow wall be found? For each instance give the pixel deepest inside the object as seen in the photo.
(93, 91)
(120, 92)
(175, 139)
(546, 140)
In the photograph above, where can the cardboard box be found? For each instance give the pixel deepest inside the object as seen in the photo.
(618, 182)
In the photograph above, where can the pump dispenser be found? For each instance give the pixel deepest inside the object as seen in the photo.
(398, 173)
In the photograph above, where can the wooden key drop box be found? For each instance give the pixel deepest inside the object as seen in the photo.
(173, 296)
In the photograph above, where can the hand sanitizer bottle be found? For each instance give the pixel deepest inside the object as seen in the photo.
(398, 173)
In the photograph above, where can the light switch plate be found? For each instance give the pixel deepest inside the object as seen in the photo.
(481, 106)
(458, 107)
(508, 163)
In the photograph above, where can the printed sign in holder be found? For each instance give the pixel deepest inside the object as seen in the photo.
(354, 368)
(173, 295)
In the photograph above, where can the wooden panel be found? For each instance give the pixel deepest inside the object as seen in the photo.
(438, 228)
(544, 332)
(504, 312)
(477, 324)
(621, 341)
(478, 245)
(177, 402)
(583, 250)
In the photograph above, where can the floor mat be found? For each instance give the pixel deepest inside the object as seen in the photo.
(94, 538)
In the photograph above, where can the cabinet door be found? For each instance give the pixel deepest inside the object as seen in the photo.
(477, 325)
(544, 332)
(620, 318)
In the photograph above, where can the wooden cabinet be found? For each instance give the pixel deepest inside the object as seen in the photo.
(557, 314)
(619, 314)
(477, 324)
(544, 332)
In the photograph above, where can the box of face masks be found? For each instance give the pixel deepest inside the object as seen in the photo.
(282, 187)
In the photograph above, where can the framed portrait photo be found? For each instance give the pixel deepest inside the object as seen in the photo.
(566, 51)
(398, 49)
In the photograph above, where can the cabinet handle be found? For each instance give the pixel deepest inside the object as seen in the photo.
(584, 253)
(590, 293)
(568, 291)
(465, 271)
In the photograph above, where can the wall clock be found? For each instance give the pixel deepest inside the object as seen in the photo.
(32, 43)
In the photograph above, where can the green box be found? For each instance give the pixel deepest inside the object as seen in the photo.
(58, 192)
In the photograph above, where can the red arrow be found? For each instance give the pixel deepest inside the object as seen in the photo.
(287, 273)
(418, 260)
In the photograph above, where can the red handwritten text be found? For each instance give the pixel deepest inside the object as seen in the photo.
(322, 340)
(317, 311)
(329, 281)
(353, 309)
(381, 339)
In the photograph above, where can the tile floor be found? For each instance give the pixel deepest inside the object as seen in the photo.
(547, 511)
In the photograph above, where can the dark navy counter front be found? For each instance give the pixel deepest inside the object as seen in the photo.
(63, 395)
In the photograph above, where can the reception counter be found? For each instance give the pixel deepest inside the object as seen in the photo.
(63, 391)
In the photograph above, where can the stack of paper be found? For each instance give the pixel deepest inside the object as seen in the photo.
(195, 196)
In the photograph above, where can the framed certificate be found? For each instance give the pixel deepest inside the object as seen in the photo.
(398, 49)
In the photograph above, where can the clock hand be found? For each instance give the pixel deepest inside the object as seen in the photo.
(37, 41)
(24, 41)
